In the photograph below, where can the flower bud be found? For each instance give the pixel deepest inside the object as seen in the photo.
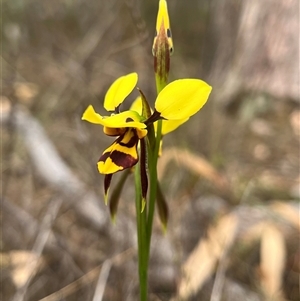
(162, 46)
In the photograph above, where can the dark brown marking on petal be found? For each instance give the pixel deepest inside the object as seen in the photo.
(120, 153)
(114, 131)
(107, 181)
(128, 119)
(104, 157)
(122, 159)
(132, 142)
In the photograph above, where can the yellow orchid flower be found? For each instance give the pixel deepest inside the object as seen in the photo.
(123, 153)
(175, 104)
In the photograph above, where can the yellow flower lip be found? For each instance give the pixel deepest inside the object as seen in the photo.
(182, 98)
(122, 154)
(122, 120)
(119, 90)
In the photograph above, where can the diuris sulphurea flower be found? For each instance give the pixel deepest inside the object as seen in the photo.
(128, 126)
(175, 104)
(138, 136)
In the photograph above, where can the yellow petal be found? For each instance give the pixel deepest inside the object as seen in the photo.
(124, 119)
(170, 125)
(91, 116)
(141, 133)
(182, 98)
(119, 90)
(108, 167)
(137, 105)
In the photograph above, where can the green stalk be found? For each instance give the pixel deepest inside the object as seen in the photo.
(153, 183)
(142, 237)
(144, 220)
(153, 158)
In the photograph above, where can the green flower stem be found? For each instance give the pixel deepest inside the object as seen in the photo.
(144, 220)
(160, 84)
(152, 164)
(153, 183)
(142, 237)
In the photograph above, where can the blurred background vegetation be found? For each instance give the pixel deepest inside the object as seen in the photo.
(230, 175)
